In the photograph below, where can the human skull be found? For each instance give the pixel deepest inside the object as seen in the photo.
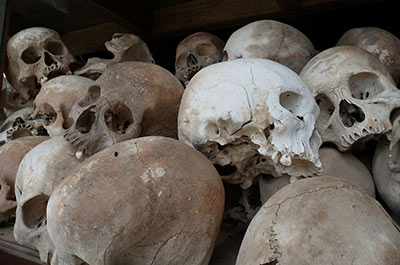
(56, 98)
(272, 40)
(10, 99)
(39, 173)
(251, 116)
(124, 47)
(20, 124)
(380, 43)
(36, 55)
(150, 200)
(129, 100)
(355, 93)
(196, 52)
(323, 220)
(11, 155)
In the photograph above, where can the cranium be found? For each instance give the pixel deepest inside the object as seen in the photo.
(151, 200)
(272, 40)
(36, 55)
(39, 173)
(323, 220)
(196, 52)
(20, 123)
(355, 93)
(130, 99)
(11, 155)
(10, 99)
(124, 47)
(251, 116)
(380, 43)
(56, 99)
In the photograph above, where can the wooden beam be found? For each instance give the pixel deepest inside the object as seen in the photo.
(91, 39)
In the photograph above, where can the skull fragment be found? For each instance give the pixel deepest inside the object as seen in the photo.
(129, 100)
(36, 55)
(251, 116)
(355, 93)
(196, 52)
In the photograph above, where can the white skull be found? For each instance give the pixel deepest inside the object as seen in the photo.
(251, 116)
(36, 55)
(124, 47)
(196, 52)
(20, 124)
(355, 93)
(272, 40)
(39, 173)
(380, 43)
(56, 99)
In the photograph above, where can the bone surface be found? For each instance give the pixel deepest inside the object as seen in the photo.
(124, 47)
(11, 155)
(40, 172)
(355, 93)
(195, 52)
(150, 200)
(272, 40)
(251, 116)
(380, 43)
(56, 98)
(321, 221)
(36, 55)
(129, 100)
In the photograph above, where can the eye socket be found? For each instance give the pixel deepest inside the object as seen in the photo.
(326, 107)
(118, 118)
(34, 212)
(205, 49)
(365, 86)
(54, 47)
(291, 101)
(30, 55)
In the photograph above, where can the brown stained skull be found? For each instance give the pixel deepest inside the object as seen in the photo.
(129, 100)
(196, 52)
(36, 55)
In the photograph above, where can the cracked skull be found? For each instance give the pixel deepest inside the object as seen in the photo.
(39, 173)
(129, 100)
(36, 55)
(124, 47)
(196, 52)
(355, 93)
(271, 40)
(150, 200)
(317, 221)
(56, 98)
(251, 116)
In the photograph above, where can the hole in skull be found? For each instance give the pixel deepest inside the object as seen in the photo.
(85, 121)
(48, 59)
(365, 86)
(290, 101)
(30, 56)
(118, 118)
(350, 113)
(326, 107)
(116, 154)
(205, 49)
(91, 96)
(225, 170)
(191, 60)
(34, 212)
(54, 47)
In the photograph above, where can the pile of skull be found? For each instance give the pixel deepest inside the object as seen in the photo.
(93, 171)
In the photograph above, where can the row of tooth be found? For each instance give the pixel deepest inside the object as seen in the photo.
(348, 140)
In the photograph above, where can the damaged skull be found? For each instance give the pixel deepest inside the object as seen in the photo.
(265, 125)
(196, 52)
(355, 93)
(124, 47)
(36, 55)
(56, 99)
(129, 100)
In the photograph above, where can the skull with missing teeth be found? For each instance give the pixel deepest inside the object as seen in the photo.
(355, 93)
(34, 56)
(251, 116)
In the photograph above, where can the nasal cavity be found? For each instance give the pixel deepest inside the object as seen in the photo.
(191, 60)
(48, 59)
(350, 113)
